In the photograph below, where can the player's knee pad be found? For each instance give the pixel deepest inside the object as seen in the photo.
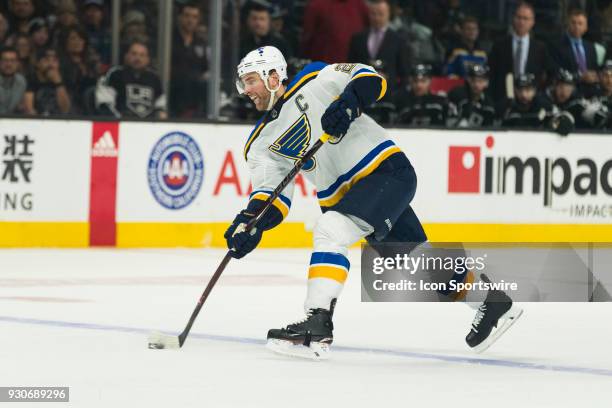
(335, 232)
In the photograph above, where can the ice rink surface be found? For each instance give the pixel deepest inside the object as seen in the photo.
(80, 318)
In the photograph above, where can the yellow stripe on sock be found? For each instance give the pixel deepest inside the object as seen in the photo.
(329, 272)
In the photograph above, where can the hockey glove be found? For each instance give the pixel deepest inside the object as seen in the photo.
(340, 114)
(239, 241)
(563, 123)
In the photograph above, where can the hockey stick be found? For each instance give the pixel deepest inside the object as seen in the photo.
(162, 341)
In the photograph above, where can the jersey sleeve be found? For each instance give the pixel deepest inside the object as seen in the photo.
(266, 174)
(368, 85)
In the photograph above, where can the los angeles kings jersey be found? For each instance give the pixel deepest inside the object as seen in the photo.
(293, 125)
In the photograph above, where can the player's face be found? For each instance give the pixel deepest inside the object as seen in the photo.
(255, 89)
(577, 26)
(420, 86)
(606, 80)
(478, 85)
(525, 95)
(563, 92)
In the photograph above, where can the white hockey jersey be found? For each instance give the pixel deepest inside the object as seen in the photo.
(287, 131)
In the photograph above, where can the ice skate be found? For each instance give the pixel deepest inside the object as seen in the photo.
(308, 338)
(496, 314)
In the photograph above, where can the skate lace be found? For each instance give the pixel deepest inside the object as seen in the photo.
(308, 315)
(479, 315)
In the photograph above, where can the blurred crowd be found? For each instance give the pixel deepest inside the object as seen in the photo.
(457, 63)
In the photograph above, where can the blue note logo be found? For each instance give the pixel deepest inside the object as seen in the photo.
(294, 143)
(176, 170)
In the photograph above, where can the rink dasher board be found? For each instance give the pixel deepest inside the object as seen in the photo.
(477, 186)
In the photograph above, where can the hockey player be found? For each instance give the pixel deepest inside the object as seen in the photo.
(469, 104)
(364, 183)
(563, 94)
(603, 97)
(417, 106)
(528, 109)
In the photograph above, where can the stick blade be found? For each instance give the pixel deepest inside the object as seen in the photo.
(160, 341)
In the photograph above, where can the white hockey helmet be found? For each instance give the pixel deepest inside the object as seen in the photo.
(263, 60)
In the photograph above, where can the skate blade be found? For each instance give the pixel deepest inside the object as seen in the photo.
(504, 323)
(316, 351)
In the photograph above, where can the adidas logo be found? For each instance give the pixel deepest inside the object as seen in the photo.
(105, 146)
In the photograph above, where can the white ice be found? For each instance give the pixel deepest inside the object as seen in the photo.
(80, 318)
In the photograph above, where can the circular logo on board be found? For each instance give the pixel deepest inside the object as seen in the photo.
(176, 170)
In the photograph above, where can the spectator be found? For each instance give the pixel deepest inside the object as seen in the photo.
(259, 32)
(4, 28)
(39, 33)
(98, 34)
(66, 19)
(466, 51)
(22, 44)
(46, 93)
(424, 47)
(282, 29)
(517, 54)
(528, 109)
(575, 54)
(132, 90)
(20, 13)
(12, 83)
(417, 106)
(133, 29)
(382, 43)
(188, 86)
(470, 104)
(329, 26)
(80, 65)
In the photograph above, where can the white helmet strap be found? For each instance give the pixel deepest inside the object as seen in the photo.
(272, 92)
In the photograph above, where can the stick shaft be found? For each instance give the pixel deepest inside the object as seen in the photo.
(266, 207)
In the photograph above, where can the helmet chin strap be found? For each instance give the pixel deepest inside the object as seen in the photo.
(272, 94)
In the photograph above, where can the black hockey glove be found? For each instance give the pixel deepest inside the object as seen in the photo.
(340, 114)
(563, 123)
(239, 241)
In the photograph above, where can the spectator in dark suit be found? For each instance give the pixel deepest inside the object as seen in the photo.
(517, 54)
(576, 54)
(381, 43)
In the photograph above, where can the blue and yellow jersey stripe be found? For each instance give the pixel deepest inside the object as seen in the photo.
(365, 72)
(282, 203)
(329, 265)
(334, 193)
